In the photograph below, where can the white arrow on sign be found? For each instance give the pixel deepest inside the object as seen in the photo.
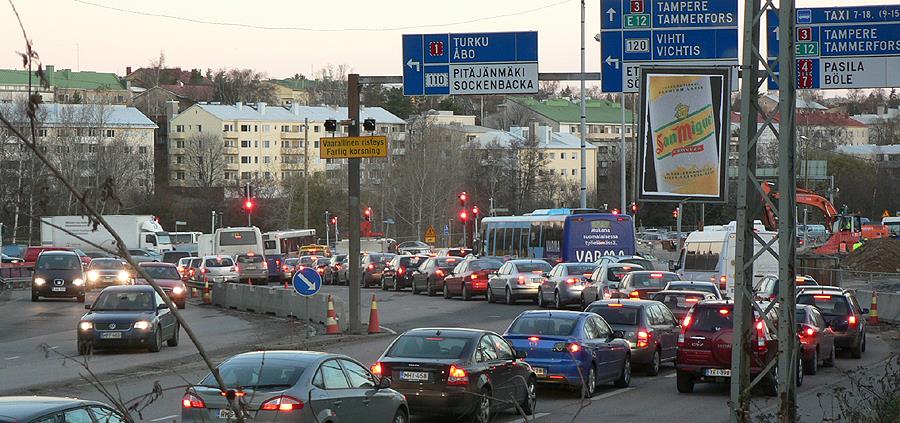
(411, 63)
(611, 61)
(612, 13)
(309, 285)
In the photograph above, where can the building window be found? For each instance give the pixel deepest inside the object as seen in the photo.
(109, 133)
(552, 156)
(179, 175)
(267, 159)
(316, 144)
(256, 159)
(245, 175)
(245, 143)
(267, 128)
(571, 129)
(230, 159)
(142, 150)
(604, 150)
(179, 128)
(228, 127)
(266, 144)
(245, 128)
(316, 128)
(574, 172)
(562, 156)
(230, 143)
(604, 164)
(42, 132)
(227, 176)
(255, 144)
(267, 175)
(574, 156)
(245, 159)
(179, 144)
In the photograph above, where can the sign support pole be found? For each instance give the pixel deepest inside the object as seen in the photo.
(624, 206)
(306, 175)
(353, 89)
(583, 125)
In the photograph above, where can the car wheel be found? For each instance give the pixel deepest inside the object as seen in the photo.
(509, 297)
(540, 299)
(770, 386)
(811, 366)
(396, 285)
(34, 296)
(653, 367)
(857, 350)
(489, 294)
(415, 290)
(383, 285)
(400, 416)
(181, 304)
(589, 387)
(829, 361)
(625, 378)
(466, 295)
(84, 348)
(482, 413)
(863, 349)
(446, 292)
(156, 345)
(80, 298)
(685, 382)
(557, 303)
(529, 403)
(429, 289)
(173, 341)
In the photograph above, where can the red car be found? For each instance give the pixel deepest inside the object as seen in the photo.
(167, 277)
(642, 284)
(470, 278)
(816, 339)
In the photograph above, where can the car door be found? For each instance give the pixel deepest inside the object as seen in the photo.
(607, 357)
(549, 283)
(363, 401)
(422, 275)
(106, 415)
(826, 343)
(454, 280)
(593, 344)
(668, 330)
(513, 377)
(497, 372)
(331, 391)
(497, 281)
(165, 316)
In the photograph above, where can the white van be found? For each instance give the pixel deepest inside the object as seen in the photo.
(709, 255)
(893, 225)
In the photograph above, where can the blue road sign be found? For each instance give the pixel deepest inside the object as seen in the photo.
(842, 47)
(446, 230)
(637, 33)
(307, 282)
(474, 63)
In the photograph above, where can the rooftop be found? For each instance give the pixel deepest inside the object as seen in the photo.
(294, 113)
(64, 78)
(869, 149)
(816, 118)
(545, 136)
(562, 110)
(115, 115)
(801, 102)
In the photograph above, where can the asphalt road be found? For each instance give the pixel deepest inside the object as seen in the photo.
(134, 373)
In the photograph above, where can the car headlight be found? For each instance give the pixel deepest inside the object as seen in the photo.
(93, 276)
(85, 326)
(177, 290)
(40, 281)
(142, 325)
(77, 281)
(123, 276)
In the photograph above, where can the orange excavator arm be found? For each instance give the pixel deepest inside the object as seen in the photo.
(804, 196)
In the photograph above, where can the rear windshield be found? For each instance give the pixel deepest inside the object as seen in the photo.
(616, 273)
(579, 269)
(291, 261)
(543, 325)
(322, 261)
(484, 265)
(652, 280)
(685, 287)
(641, 262)
(380, 258)
(534, 266)
(306, 260)
(59, 262)
(679, 301)
(161, 272)
(712, 319)
(256, 373)
(422, 346)
(410, 261)
(250, 259)
(124, 301)
(829, 305)
(237, 238)
(447, 262)
(173, 256)
(219, 262)
(106, 264)
(617, 315)
(459, 252)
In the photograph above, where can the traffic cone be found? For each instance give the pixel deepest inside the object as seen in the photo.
(331, 324)
(374, 325)
(873, 311)
(207, 298)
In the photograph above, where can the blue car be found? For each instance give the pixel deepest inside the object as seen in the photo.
(572, 348)
(277, 271)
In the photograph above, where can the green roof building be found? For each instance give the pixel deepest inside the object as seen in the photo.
(603, 117)
(66, 86)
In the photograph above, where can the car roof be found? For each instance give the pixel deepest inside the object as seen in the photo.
(58, 252)
(214, 257)
(685, 292)
(689, 283)
(626, 302)
(716, 303)
(23, 408)
(128, 288)
(816, 290)
(469, 332)
(647, 272)
(570, 314)
(515, 261)
(309, 356)
(156, 264)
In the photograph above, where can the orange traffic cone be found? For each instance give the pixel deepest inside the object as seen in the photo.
(207, 298)
(374, 325)
(873, 312)
(331, 324)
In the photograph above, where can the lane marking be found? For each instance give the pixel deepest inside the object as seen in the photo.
(494, 317)
(389, 330)
(532, 418)
(53, 347)
(164, 418)
(13, 357)
(613, 393)
(671, 375)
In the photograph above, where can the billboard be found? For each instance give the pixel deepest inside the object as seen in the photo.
(684, 131)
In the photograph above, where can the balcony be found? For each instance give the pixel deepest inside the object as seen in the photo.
(231, 166)
(232, 151)
(291, 166)
(292, 135)
(229, 134)
(291, 150)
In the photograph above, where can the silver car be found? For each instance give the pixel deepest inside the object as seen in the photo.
(252, 268)
(217, 269)
(604, 281)
(516, 280)
(296, 386)
(563, 285)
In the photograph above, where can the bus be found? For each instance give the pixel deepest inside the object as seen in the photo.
(184, 237)
(239, 240)
(562, 235)
(288, 242)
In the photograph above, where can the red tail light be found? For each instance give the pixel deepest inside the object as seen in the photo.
(723, 282)
(691, 300)
(656, 276)
(320, 271)
(616, 305)
(634, 294)
(520, 280)
(285, 268)
(474, 276)
(282, 403)
(822, 297)
(236, 394)
(203, 271)
(266, 265)
(533, 339)
(337, 266)
(571, 281)
(457, 376)
(190, 400)
(236, 268)
(761, 335)
(573, 348)
(376, 369)
(643, 339)
(852, 320)
(401, 270)
(439, 273)
(371, 266)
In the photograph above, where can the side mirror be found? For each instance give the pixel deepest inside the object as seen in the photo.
(545, 275)
(87, 306)
(162, 306)
(672, 267)
(521, 355)
(618, 334)
(383, 383)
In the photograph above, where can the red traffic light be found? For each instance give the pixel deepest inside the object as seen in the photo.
(675, 213)
(615, 211)
(463, 215)
(248, 205)
(475, 210)
(634, 208)
(368, 213)
(334, 221)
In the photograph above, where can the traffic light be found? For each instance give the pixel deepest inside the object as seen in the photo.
(463, 216)
(462, 199)
(369, 125)
(474, 210)
(634, 208)
(615, 211)
(248, 205)
(334, 220)
(368, 214)
(675, 213)
(330, 125)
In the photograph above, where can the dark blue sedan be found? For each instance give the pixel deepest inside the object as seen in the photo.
(127, 316)
(572, 348)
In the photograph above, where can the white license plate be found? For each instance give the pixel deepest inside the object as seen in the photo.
(718, 372)
(226, 414)
(111, 335)
(540, 372)
(414, 376)
(58, 289)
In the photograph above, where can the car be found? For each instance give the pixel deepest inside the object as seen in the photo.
(166, 276)
(572, 348)
(12, 260)
(704, 347)
(193, 269)
(429, 276)
(563, 285)
(127, 316)
(321, 266)
(458, 372)
(174, 256)
(58, 274)
(276, 269)
(802, 289)
(766, 288)
(32, 253)
(103, 272)
(40, 409)
(455, 252)
(643, 284)
(604, 281)
(703, 286)
(816, 339)
(843, 315)
(412, 247)
(315, 250)
(516, 280)
(641, 261)
(339, 266)
(398, 273)
(680, 302)
(252, 268)
(291, 265)
(469, 278)
(650, 328)
(217, 269)
(183, 266)
(139, 255)
(370, 267)
(296, 386)
(306, 261)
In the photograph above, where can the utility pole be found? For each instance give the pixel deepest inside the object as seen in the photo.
(353, 89)
(622, 154)
(327, 222)
(213, 228)
(583, 124)
(306, 175)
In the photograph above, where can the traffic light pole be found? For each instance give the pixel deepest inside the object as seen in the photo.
(353, 88)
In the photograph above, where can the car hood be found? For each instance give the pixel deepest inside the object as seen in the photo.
(117, 316)
(51, 274)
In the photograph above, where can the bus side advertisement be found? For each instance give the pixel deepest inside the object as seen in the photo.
(587, 237)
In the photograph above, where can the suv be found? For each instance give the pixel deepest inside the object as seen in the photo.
(843, 315)
(638, 260)
(58, 274)
(174, 256)
(217, 269)
(455, 252)
(252, 268)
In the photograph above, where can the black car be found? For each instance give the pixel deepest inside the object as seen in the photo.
(371, 266)
(650, 328)
(429, 277)
(460, 372)
(174, 256)
(58, 274)
(398, 274)
(127, 316)
(843, 314)
(56, 409)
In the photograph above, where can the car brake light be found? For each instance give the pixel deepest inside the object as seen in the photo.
(282, 403)
(627, 268)
(190, 400)
(587, 275)
(724, 311)
(236, 268)
(401, 270)
(810, 332)
(656, 275)
(338, 266)
(457, 376)
(266, 265)
(376, 369)
(691, 300)
(285, 268)
(533, 339)
(723, 282)
(643, 339)
(203, 271)
(573, 348)
(371, 266)
(520, 280)
(236, 394)
(571, 281)
(852, 320)
(474, 276)
(616, 305)
(439, 273)
(822, 297)
(760, 335)
(320, 271)
(634, 294)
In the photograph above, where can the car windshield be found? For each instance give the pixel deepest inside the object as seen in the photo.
(543, 324)
(579, 269)
(651, 279)
(219, 262)
(322, 261)
(59, 262)
(430, 346)
(828, 304)
(484, 265)
(617, 315)
(534, 266)
(712, 319)
(616, 273)
(689, 287)
(124, 301)
(161, 272)
(306, 260)
(447, 262)
(679, 301)
(263, 372)
(106, 264)
(249, 259)
(459, 252)
(291, 261)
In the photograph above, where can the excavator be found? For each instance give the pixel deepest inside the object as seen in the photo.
(846, 229)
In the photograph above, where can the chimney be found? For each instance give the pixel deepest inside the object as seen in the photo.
(546, 133)
(295, 109)
(171, 109)
(239, 105)
(261, 107)
(127, 70)
(533, 128)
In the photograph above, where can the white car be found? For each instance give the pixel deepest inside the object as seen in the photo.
(218, 269)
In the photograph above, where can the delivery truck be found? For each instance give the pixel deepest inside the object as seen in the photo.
(137, 231)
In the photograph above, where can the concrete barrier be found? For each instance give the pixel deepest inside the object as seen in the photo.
(277, 301)
(888, 304)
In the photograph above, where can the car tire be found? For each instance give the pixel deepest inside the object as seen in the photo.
(156, 345)
(383, 285)
(489, 294)
(829, 361)
(863, 349)
(446, 292)
(529, 403)
(589, 387)
(466, 295)
(173, 341)
(811, 367)
(508, 297)
(801, 364)
(583, 304)
(84, 348)
(415, 291)
(35, 297)
(181, 304)
(396, 285)
(80, 298)
(625, 377)
(482, 412)
(684, 382)
(557, 303)
(770, 384)
(429, 290)
(857, 350)
(540, 299)
(400, 416)
(655, 363)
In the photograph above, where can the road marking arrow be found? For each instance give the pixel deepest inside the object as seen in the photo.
(612, 13)
(411, 63)
(611, 61)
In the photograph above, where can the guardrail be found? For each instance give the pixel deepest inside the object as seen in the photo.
(888, 304)
(275, 301)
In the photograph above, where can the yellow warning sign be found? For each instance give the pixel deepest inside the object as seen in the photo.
(430, 235)
(353, 147)
(885, 214)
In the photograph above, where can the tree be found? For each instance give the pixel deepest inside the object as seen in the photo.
(331, 85)
(547, 89)
(155, 74)
(205, 159)
(244, 85)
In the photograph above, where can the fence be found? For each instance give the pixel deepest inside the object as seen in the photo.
(852, 278)
(276, 301)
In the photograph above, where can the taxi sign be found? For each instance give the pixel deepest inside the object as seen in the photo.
(307, 282)
(353, 147)
(430, 235)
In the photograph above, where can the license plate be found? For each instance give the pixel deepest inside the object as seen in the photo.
(414, 376)
(718, 372)
(540, 372)
(111, 335)
(226, 414)
(58, 289)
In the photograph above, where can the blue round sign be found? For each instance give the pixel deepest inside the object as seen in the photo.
(307, 282)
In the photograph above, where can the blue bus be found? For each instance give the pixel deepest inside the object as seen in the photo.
(562, 235)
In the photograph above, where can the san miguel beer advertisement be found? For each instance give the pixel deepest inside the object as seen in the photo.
(682, 152)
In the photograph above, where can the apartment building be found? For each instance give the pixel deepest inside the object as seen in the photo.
(292, 90)
(65, 86)
(263, 142)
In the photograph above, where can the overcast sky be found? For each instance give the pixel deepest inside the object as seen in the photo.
(75, 34)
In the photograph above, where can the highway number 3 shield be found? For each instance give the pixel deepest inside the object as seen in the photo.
(307, 282)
